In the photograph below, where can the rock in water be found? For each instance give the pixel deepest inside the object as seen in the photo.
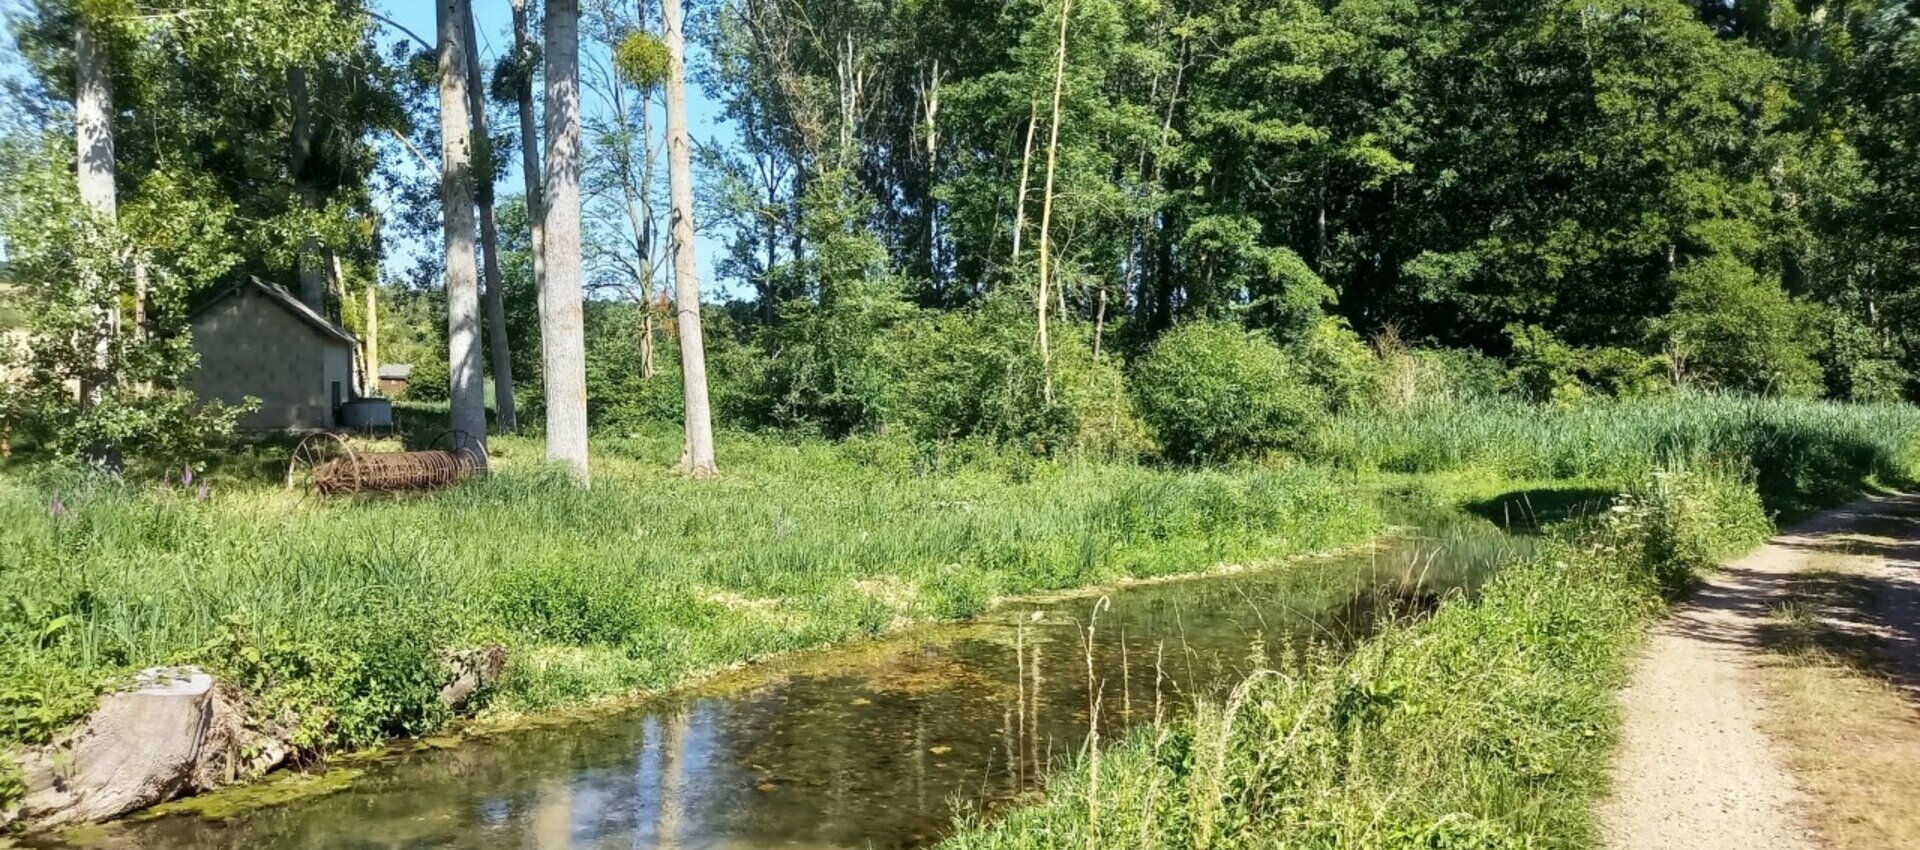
(140, 747)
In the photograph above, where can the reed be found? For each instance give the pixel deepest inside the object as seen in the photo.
(1805, 453)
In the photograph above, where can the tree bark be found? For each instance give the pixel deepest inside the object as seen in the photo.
(94, 173)
(313, 267)
(372, 341)
(1046, 200)
(466, 397)
(530, 157)
(497, 343)
(1026, 169)
(562, 337)
(698, 457)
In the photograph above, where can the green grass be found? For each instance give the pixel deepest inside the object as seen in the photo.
(339, 610)
(1806, 453)
(1488, 725)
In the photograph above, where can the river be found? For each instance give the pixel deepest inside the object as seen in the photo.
(872, 745)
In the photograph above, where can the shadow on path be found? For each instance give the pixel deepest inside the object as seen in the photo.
(1869, 614)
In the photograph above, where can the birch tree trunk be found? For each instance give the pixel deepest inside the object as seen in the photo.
(1046, 201)
(466, 396)
(698, 457)
(530, 157)
(1026, 168)
(94, 173)
(497, 344)
(562, 336)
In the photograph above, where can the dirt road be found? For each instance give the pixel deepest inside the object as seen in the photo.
(1695, 770)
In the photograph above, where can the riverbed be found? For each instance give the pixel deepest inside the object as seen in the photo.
(874, 745)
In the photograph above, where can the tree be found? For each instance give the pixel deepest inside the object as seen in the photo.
(563, 333)
(526, 56)
(465, 399)
(497, 342)
(698, 457)
(94, 167)
(1046, 197)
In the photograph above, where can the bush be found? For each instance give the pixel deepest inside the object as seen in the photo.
(1734, 329)
(974, 374)
(1345, 370)
(1212, 391)
(430, 381)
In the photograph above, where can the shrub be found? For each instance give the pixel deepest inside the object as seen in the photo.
(430, 381)
(1548, 370)
(1345, 370)
(1733, 328)
(974, 374)
(1212, 391)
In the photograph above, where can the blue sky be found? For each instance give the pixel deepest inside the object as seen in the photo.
(494, 22)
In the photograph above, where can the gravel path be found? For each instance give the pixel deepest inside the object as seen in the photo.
(1694, 770)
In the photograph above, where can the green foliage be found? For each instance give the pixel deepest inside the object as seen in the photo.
(339, 612)
(1805, 453)
(641, 59)
(1548, 371)
(1212, 391)
(93, 387)
(975, 373)
(430, 381)
(1737, 330)
(1487, 725)
(1344, 368)
(1857, 363)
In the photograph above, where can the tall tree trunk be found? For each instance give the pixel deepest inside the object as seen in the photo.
(466, 397)
(563, 335)
(94, 173)
(530, 156)
(1026, 169)
(698, 458)
(313, 267)
(1046, 199)
(497, 343)
(372, 339)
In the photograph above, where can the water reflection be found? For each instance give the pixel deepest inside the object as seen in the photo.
(871, 746)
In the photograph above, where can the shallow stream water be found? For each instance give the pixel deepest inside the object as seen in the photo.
(875, 745)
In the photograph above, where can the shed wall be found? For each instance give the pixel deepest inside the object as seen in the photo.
(249, 346)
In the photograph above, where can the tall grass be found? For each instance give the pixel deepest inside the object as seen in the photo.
(1486, 726)
(1806, 453)
(338, 610)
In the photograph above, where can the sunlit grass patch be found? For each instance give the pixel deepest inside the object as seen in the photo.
(339, 608)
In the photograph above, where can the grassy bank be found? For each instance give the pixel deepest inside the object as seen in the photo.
(1805, 453)
(338, 611)
(1486, 726)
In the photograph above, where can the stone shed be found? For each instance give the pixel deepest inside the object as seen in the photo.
(257, 339)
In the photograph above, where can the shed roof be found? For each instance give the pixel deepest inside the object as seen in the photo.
(396, 371)
(286, 300)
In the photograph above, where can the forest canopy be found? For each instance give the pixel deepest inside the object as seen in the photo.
(963, 218)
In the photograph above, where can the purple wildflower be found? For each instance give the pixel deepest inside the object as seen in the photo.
(57, 508)
(202, 495)
(186, 476)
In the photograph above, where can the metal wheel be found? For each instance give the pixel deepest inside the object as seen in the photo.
(324, 464)
(470, 452)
